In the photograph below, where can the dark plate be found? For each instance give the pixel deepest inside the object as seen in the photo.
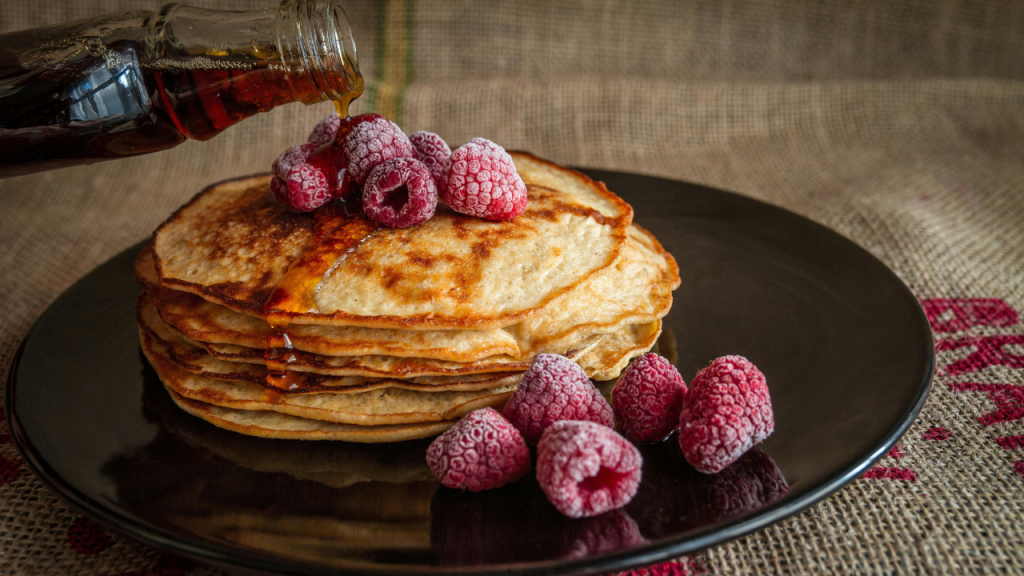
(845, 347)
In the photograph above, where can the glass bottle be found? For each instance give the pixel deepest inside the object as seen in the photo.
(142, 81)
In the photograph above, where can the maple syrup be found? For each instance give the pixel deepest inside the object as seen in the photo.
(338, 230)
(138, 82)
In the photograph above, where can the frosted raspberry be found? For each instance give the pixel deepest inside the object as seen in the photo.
(726, 411)
(480, 179)
(372, 142)
(330, 160)
(400, 193)
(298, 154)
(432, 150)
(348, 124)
(553, 389)
(305, 189)
(647, 399)
(325, 130)
(586, 469)
(481, 452)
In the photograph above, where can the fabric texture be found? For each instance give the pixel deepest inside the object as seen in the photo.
(899, 124)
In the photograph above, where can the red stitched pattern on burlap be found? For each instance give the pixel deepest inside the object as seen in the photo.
(1008, 398)
(87, 538)
(882, 473)
(956, 314)
(1011, 442)
(989, 351)
(1018, 467)
(937, 434)
(681, 567)
(895, 452)
(10, 470)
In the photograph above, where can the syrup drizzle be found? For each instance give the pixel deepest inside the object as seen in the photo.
(338, 229)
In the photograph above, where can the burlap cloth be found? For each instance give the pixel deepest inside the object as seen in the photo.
(898, 124)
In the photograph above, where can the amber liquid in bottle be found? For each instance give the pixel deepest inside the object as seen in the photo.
(139, 82)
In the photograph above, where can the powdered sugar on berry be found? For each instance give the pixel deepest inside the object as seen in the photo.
(325, 130)
(648, 398)
(480, 179)
(303, 190)
(432, 150)
(373, 142)
(400, 193)
(726, 411)
(555, 388)
(586, 469)
(298, 154)
(481, 452)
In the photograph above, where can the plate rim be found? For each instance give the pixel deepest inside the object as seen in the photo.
(232, 556)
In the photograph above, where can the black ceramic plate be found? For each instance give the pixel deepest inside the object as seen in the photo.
(844, 345)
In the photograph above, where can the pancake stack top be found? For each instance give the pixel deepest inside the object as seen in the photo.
(325, 326)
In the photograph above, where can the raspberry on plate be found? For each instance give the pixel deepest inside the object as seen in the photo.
(480, 179)
(726, 411)
(304, 189)
(586, 469)
(432, 150)
(481, 452)
(400, 193)
(647, 399)
(371, 142)
(554, 388)
(325, 130)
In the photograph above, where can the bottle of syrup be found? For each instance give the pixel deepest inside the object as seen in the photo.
(142, 81)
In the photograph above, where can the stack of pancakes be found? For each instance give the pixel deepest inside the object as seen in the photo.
(326, 326)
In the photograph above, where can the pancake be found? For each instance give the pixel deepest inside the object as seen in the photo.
(629, 343)
(206, 321)
(600, 355)
(233, 244)
(378, 407)
(276, 425)
(159, 339)
(636, 289)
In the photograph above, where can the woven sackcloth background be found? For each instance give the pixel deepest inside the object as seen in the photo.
(900, 124)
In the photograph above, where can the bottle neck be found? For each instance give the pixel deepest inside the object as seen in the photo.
(214, 68)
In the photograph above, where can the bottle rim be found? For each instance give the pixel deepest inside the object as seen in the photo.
(317, 35)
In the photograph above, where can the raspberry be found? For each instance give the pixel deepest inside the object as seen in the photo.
(325, 130)
(586, 469)
(348, 124)
(371, 142)
(305, 189)
(481, 452)
(553, 389)
(432, 150)
(480, 179)
(647, 399)
(400, 193)
(293, 155)
(330, 160)
(725, 413)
